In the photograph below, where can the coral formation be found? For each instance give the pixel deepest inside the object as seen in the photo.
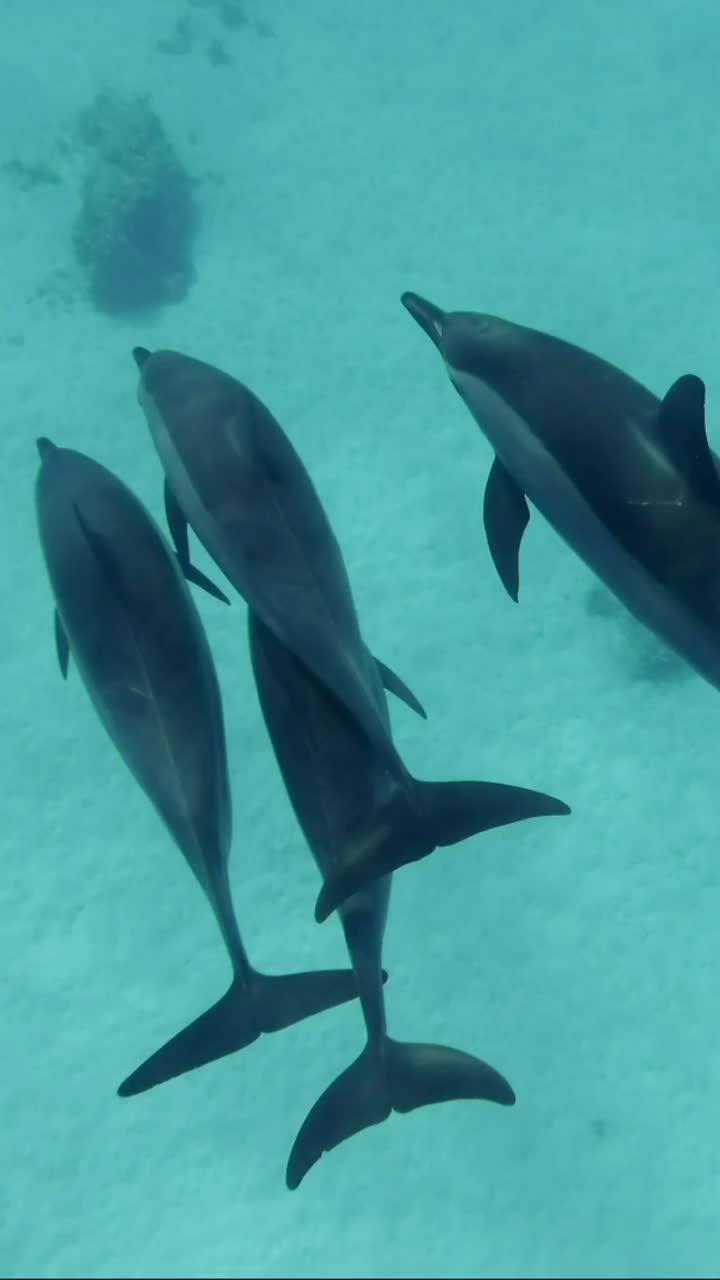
(28, 176)
(135, 230)
(194, 27)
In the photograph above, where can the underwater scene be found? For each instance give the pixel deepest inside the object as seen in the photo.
(360, 892)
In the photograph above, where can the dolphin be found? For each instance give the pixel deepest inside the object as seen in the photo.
(124, 612)
(343, 796)
(233, 475)
(628, 480)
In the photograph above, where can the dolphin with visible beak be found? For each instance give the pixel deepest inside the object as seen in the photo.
(125, 614)
(627, 479)
(233, 476)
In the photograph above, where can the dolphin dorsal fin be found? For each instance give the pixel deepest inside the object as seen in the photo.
(681, 433)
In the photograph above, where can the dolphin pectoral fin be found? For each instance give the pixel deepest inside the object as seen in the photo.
(506, 514)
(249, 1009)
(62, 646)
(681, 432)
(178, 526)
(404, 1077)
(198, 579)
(396, 686)
(435, 815)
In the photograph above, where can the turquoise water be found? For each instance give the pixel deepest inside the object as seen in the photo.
(555, 164)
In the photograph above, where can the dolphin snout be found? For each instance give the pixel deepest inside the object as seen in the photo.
(44, 447)
(428, 316)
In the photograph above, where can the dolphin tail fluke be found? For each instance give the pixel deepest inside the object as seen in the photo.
(265, 1004)
(434, 815)
(227, 1026)
(401, 1077)
(449, 812)
(283, 1000)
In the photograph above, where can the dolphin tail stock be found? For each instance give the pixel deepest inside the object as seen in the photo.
(429, 816)
(251, 1007)
(395, 1076)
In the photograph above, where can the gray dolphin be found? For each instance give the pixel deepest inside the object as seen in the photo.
(124, 612)
(626, 479)
(343, 797)
(234, 476)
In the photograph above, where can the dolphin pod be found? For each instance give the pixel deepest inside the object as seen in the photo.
(232, 475)
(627, 479)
